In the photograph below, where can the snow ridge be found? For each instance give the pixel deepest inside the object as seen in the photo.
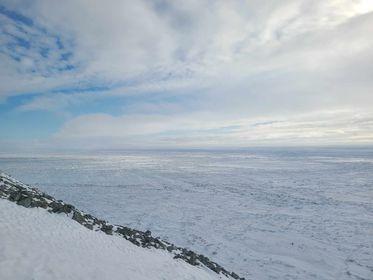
(29, 197)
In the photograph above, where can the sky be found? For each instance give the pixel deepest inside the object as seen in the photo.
(90, 74)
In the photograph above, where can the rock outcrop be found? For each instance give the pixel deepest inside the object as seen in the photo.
(27, 196)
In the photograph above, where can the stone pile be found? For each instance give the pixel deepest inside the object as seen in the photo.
(29, 197)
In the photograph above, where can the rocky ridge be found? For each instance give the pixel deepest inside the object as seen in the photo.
(30, 197)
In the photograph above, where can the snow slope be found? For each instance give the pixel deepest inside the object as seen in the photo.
(35, 244)
(263, 213)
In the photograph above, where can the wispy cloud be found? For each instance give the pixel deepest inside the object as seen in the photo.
(157, 130)
(182, 72)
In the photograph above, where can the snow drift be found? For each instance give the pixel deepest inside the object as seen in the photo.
(34, 244)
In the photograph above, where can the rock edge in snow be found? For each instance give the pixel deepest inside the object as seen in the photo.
(30, 197)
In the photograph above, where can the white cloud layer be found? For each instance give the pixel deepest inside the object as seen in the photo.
(315, 128)
(245, 62)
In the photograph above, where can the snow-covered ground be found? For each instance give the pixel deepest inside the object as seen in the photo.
(35, 244)
(263, 213)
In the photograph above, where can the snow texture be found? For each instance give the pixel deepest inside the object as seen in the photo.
(263, 213)
(35, 244)
(29, 197)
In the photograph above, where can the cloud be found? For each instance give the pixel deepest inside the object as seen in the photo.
(198, 65)
(205, 130)
(117, 41)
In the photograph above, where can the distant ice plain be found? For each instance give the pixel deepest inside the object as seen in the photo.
(295, 213)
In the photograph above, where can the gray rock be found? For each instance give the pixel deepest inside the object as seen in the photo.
(29, 197)
(108, 229)
(26, 202)
(77, 216)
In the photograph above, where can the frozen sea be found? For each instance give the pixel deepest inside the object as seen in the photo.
(265, 213)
